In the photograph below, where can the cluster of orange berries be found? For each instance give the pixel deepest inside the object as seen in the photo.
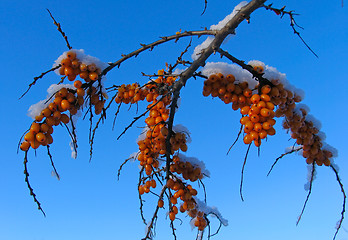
(186, 169)
(130, 93)
(306, 134)
(154, 145)
(258, 119)
(186, 194)
(147, 185)
(224, 87)
(64, 100)
(71, 67)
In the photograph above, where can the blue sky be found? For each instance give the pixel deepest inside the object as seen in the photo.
(88, 202)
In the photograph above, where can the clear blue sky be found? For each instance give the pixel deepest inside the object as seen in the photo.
(88, 202)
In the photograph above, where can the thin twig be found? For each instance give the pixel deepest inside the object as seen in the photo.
(235, 141)
(309, 192)
(52, 163)
(281, 156)
(37, 78)
(293, 23)
(26, 173)
(242, 174)
(59, 29)
(205, 6)
(344, 201)
(151, 224)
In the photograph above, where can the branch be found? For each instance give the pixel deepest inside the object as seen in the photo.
(37, 78)
(309, 192)
(200, 61)
(263, 81)
(60, 29)
(281, 156)
(293, 23)
(26, 173)
(344, 201)
(154, 44)
(242, 174)
(151, 225)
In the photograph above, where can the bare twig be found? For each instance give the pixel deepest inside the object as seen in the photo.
(339, 225)
(205, 6)
(151, 224)
(281, 156)
(52, 163)
(26, 173)
(37, 78)
(242, 174)
(235, 141)
(309, 192)
(154, 44)
(60, 29)
(293, 23)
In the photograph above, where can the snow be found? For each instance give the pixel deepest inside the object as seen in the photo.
(239, 73)
(223, 22)
(202, 206)
(73, 151)
(316, 122)
(179, 128)
(330, 149)
(309, 176)
(198, 49)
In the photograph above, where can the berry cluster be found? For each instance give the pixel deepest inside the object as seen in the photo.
(185, 193)
(66, 99)
(217, 85)
(41, 129)
(258, 119)
(258, 113)
(153, 144)
(71, 67)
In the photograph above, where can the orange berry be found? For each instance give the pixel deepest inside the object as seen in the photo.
(84, 75)
(66, 62)
(35, 128)
(80, 92)
(230, 78)
(245, 110)
(258, 127)
(65, 104)
(25, 146)
(160, 203)
(265, 97)
(254, 118)
(265, 112)
(172, 216)
(46, 112)
(255, 99)
(71, 55)
(249, 125)
(64, 118)
(245, 119)
(78, 84)
(30, 136)
(93, 76)
(265, 89)
(63, 92)
(262, 134)
(40, 137)
(247, 93)
(92, 67)
(247, 139)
